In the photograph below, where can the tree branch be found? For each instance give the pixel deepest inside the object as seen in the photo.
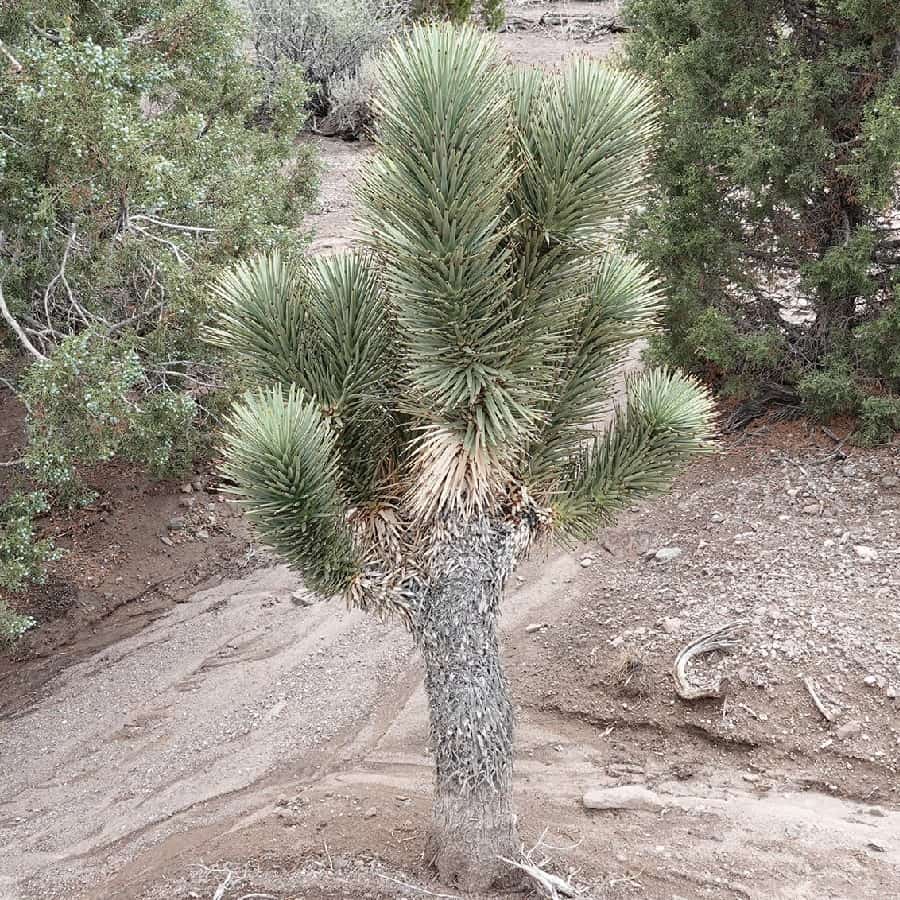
(197, 229)
(14, 63)
(17, 330)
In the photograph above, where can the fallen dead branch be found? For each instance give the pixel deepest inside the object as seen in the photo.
(550, 885)
(827, 714)
(416, 888)
(224, 885)
(723, 638)
(14, 64)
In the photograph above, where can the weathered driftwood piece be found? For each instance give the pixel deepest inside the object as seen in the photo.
(810, 686)
(723, 638)
(550, 885)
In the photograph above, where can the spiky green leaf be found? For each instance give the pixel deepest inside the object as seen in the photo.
(667, 420)
(355, 354)
(322, 325)
(616, 306)
(280, 453)
(263, 319)
(584, 139)
(435, 200)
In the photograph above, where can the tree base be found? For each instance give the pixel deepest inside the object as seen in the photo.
(468, 836)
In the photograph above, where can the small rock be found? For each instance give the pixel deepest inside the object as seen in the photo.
(176, 523)
(672, 625)
(186, 488)
(870, 680)
(866, 554)
(812, 509)
(167, 541)
(534, 626)
(717, 518)
(197, 484)
(203, 534)
(187, 502)
(848, 729)
(890, 692)
(371, 812)
(302, 598)
(628, 796)
(890, 482)
(587, 562)
(667, 554)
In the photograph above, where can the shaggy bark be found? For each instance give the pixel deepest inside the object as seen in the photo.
(471, 713)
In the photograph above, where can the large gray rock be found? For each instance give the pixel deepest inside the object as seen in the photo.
(626, 796)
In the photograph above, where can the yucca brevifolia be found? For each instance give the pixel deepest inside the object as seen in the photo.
(425, 405)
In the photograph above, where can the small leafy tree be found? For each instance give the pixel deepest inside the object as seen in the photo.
(133, 141)
(425, 407)
(774, 215)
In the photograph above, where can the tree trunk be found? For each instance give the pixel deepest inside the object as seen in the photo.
(471, 714)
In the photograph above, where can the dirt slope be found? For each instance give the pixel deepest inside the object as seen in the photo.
(244, 726)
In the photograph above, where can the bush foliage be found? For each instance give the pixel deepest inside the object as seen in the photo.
(776, 183)
(140, 148)
(23, 557)
(329, 40)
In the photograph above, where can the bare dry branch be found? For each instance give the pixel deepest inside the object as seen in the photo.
(414, 887)
(810, 686)
(220, 890)
(14, 64)
(196, 229)
(723, 638)
(550, 885)
(18, 331)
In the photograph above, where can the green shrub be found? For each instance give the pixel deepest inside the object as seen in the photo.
(879, 418)
(88, 403)
(327, 39)
(878, 346)
(23, 557)
(13, 625)
(830, 392)
(351, 101)
(781, 150)
(140, 149)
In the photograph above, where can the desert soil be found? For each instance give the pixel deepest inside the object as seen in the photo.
(188, 722)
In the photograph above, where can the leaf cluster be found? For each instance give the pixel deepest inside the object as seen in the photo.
(465, 355)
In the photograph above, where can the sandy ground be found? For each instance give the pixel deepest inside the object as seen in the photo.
(234, 741)
(245, 732)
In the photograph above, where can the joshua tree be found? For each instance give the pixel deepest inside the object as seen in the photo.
(426, 405)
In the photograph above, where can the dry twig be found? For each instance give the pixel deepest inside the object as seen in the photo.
(827, 714)
(14, 64)
(550, 885)
(414, 887)
(17, 330)
(220, 890)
